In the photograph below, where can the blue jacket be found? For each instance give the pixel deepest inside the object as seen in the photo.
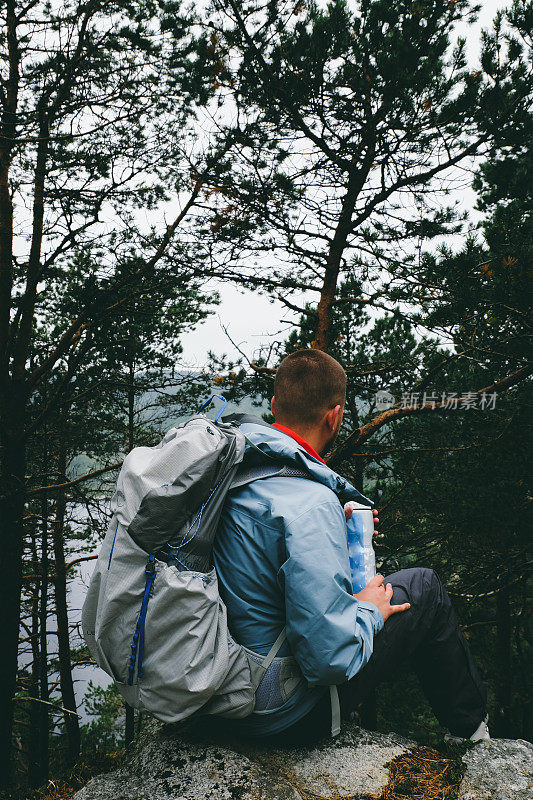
(282, 559)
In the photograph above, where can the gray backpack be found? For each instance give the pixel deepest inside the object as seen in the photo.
(153, 618)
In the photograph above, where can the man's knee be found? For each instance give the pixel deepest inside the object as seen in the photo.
(417, 585)
(430, 579)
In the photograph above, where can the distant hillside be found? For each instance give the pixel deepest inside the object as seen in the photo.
(165, 419)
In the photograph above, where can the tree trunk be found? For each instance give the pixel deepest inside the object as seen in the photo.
(7, 142)
(131, 405)
(129, 724)
(34, 761)
(336, 250)
(524, 672)
(12, 418)
(331, 276)
(63, 634)
(129, 727)
(502, 722)
(44, 726)
(12, 502)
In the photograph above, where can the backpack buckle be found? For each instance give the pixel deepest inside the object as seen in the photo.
(150, 567)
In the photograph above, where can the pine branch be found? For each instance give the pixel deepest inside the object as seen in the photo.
(361, 435)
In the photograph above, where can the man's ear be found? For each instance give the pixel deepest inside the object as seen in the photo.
(332, 417)
(272, 407)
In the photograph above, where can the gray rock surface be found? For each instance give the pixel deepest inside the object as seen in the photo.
(169, 765)
(498, 769)
(166, 766)
(353, 763)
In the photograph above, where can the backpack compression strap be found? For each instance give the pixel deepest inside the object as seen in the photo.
(335, 710)
(271, 655)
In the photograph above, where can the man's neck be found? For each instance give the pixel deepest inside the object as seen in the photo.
(312, 436)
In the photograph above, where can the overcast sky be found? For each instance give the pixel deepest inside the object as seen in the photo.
(250, 318)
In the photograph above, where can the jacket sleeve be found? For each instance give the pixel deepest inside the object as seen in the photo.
(329, 631)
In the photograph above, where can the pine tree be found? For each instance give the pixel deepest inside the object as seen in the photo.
(350, 123)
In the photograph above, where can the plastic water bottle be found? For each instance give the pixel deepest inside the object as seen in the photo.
(359, 531)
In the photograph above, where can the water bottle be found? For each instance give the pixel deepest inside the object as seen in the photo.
(359, 531)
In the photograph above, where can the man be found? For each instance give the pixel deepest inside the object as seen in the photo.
(282, 560)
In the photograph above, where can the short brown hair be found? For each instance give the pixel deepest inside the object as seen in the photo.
(307, 384)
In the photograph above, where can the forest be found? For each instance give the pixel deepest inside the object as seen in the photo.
(364, 165)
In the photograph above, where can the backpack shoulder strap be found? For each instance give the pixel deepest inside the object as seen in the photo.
(247, 474)
(268, 466)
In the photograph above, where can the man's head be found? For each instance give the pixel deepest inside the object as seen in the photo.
(309, 396)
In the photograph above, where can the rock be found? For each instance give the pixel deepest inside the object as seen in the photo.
(353, 763)
(498, 769)
(172, 764)
(168, 766)
(188, 773)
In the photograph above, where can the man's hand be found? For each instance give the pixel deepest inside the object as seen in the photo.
(380, 595)
(348, 514)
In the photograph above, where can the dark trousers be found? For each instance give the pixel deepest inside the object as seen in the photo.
(427, 635)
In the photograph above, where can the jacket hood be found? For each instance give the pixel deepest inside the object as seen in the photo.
(266, 441)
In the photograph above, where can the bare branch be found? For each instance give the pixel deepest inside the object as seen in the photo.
(80, 560)
(67, 484)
